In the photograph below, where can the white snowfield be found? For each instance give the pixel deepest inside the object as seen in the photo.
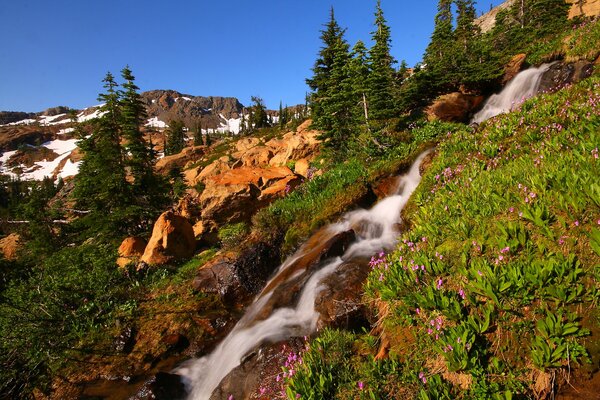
(154, 122)
(41, 169)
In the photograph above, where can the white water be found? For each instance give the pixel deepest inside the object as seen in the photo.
(519, 89)
(202, 376)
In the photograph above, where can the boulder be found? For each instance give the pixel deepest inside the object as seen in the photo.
(245, 144)
(280, 188)
(130, 250)
(172, 240)
(162, 386)
(386, 187)
(235, 195)
(295, 145)
(256, 264)
(339, 302)
(514, 66)
(219, 277)
(453, 107)
(301, 167)
(258, 156)
(256, 376)
(179, 160)
(215, 168)
(560, 74)
(10, 246)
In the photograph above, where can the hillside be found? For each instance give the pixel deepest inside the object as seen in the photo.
(424, 233)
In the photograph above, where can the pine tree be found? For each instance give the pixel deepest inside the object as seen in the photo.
(331, 99)
(281, 116)
(322, 82)
(133, 115)
(198, 134)
(439, 55)
(381, 76)
(259, 117)
(100, 186)
(359, 75)
(175, 138)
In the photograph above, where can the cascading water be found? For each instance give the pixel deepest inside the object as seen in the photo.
(519, 89)
(378, 232)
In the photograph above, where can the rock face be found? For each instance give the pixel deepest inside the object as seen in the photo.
(453, 107)
(172, 239)
(8, 117)
(560, 74)
(170, 105)
(514, 66)
(590, 8)
(130, 250)
(162, 386)
(179, 160)
(219, 277)
(10, 246)
(339, 303)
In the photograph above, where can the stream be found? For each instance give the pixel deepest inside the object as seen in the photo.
(286, 306)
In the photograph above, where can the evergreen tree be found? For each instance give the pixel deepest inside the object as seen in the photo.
(281, 116)
(439, 54)
(322, 83)
(100, 186)
(381, 76)
(133, 116)
(259, 117)
(359, 75)
(175, 137)
(198, 134)
(331, 100)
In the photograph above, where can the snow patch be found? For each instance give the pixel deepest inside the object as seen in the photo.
(61, 146)
(96, 114)
(66, 130)
(69, 169)
(27, 121)
(154, 122)
(186, 98)
(6, 156)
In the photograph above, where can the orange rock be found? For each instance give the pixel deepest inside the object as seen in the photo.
(172, 240)
(260, 177)
(453, 107)
(589, 8)
(514, 66)
(179, 160)
(130, 250)
(280, 188)
(10, 246)
(301, 167)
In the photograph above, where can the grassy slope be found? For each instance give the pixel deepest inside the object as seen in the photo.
(493, 291)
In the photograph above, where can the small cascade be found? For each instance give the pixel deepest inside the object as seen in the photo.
(267, 321)
(520, 88)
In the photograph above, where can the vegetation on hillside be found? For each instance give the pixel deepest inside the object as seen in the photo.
(493, 291)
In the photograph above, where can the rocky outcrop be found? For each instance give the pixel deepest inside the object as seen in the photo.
(339, 303)
(170, 105)
(172, 240)
(179, 160)
(488, 20)
(10, 246)
(11, 137)
(233, 195)
(560, 74)
(453, 107)
(130, 250)
(162, 386)
(8, 117)
(588, 8)
(219, 277)
(514, 66)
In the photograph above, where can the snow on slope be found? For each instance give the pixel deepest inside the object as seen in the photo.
(154, 122)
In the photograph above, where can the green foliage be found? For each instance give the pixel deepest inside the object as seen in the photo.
(175, 137)
(54, 314)
(231, 235)
(502, 249)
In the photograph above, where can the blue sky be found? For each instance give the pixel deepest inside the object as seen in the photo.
(57, 52)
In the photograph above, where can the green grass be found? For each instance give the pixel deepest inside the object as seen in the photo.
(497, 279)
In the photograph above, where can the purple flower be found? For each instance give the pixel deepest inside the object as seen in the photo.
(361, 385)
(439, 283)
(230, 397)
(422, 377)
(461, 293)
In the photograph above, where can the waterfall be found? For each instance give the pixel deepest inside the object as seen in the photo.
(378, 232)
(519, 89)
